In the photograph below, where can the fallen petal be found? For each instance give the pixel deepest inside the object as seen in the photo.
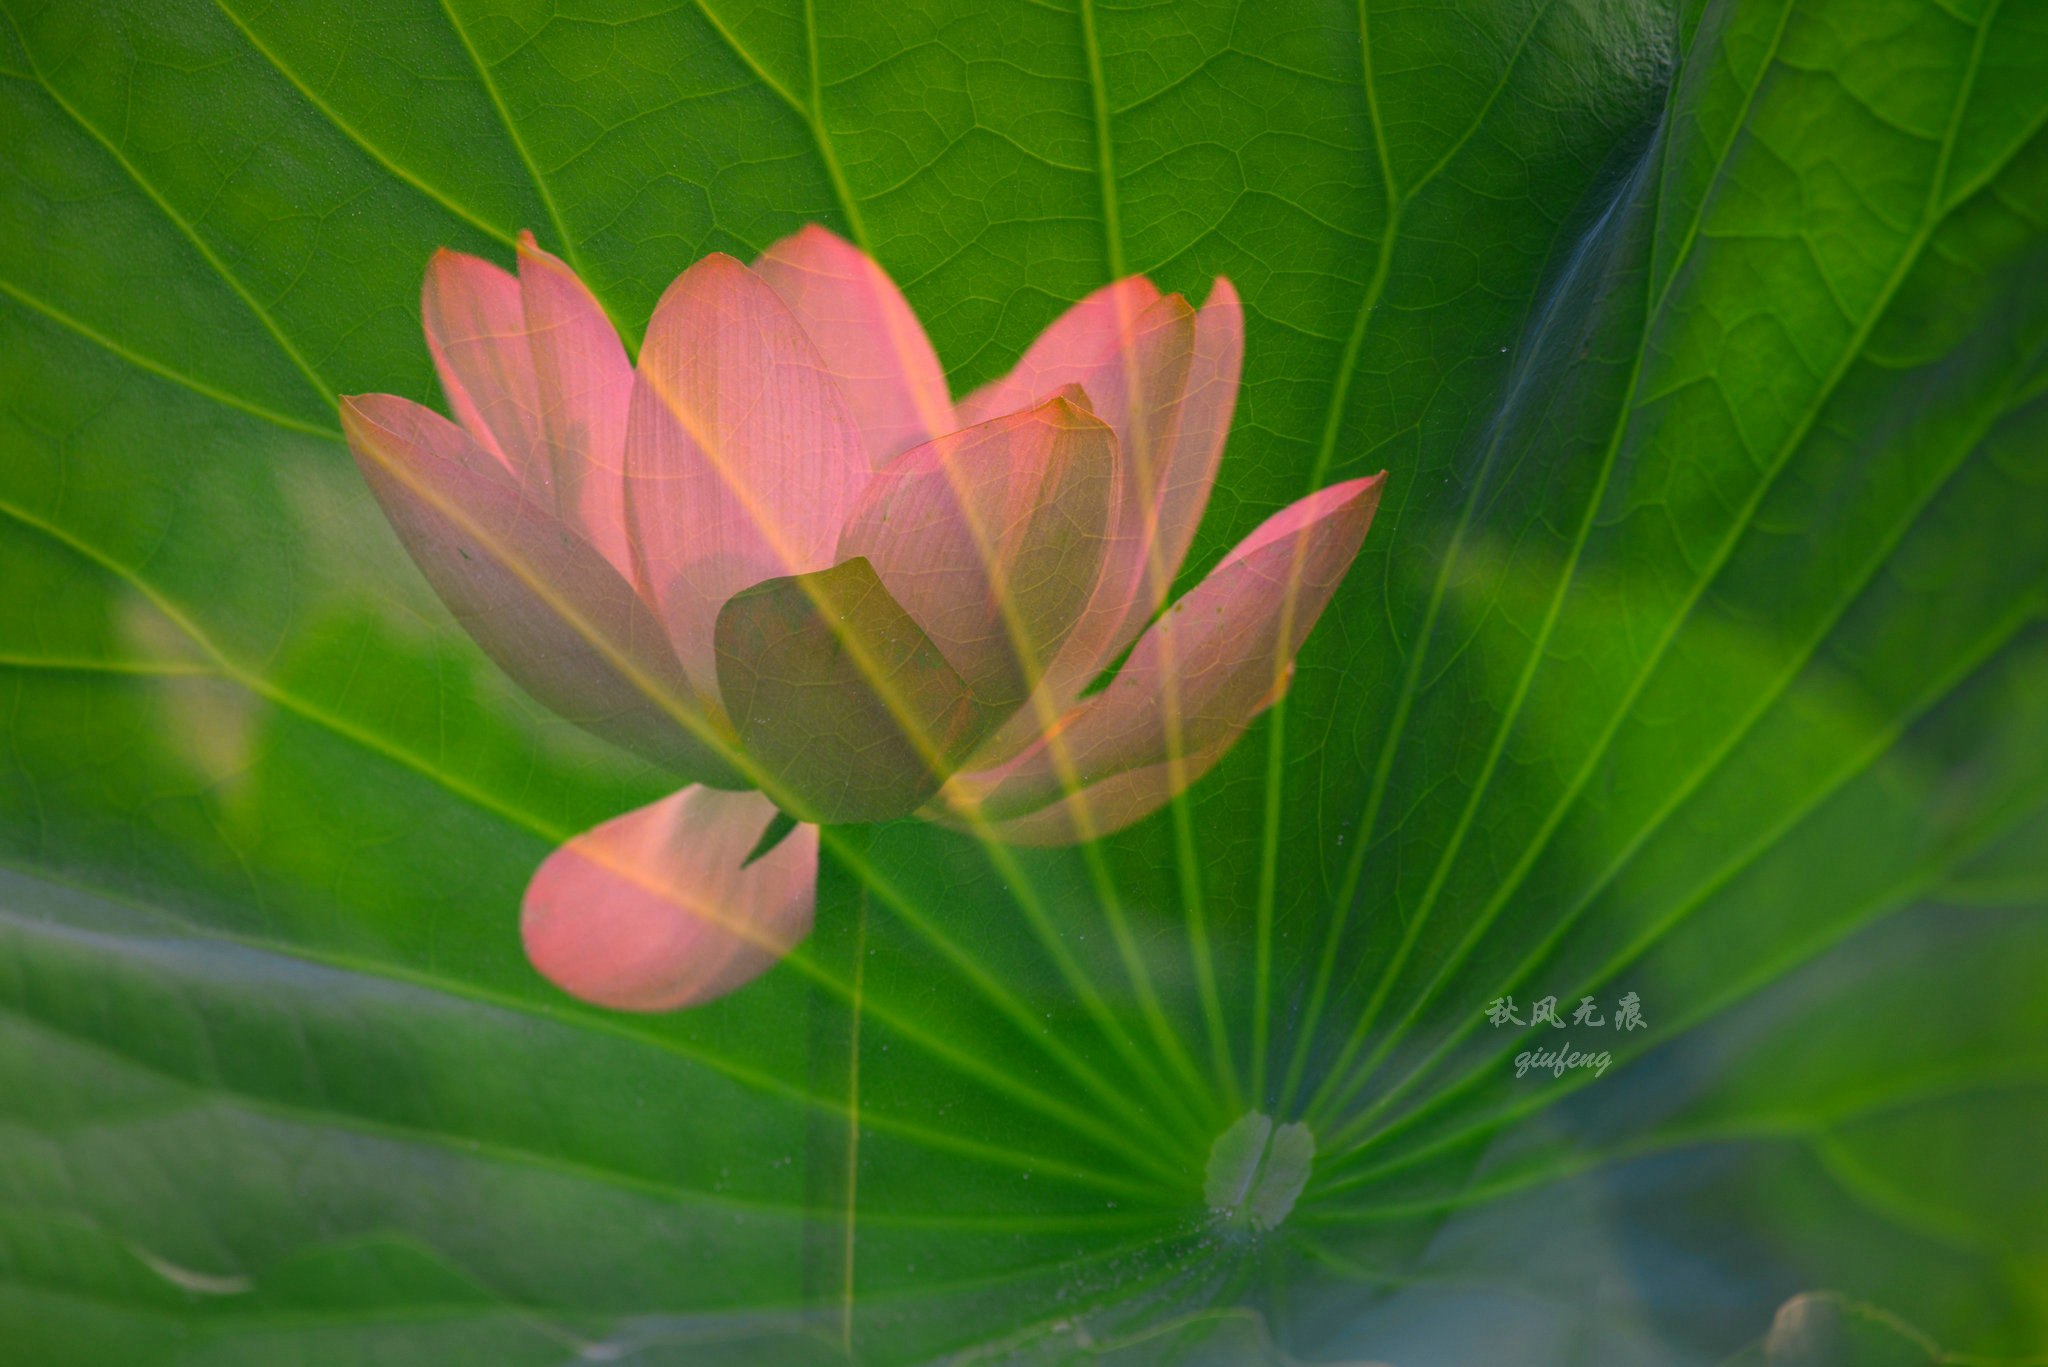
(654, 910)
(584, 385)
(992, 539)
(539, 599)
(1210, 664)
(742, 460)
(868, 336)
(475, 320)
(846, 705)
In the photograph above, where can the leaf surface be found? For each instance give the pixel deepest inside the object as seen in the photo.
(1697, 645)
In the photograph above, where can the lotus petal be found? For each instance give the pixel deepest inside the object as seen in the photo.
(1074, 342)
(742, 460)
(584, 385)
(538, 598)
(1182, 480)
(1137, 388)
(840, 697)
(1082, 348)
(659, 909)
(1101, 808)
(1214, 661)
(475, 320)
(868, 336)
(992, 539)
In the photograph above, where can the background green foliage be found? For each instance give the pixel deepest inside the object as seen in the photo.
(1698, 651)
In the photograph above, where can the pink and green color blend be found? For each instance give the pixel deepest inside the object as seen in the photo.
(780, 560)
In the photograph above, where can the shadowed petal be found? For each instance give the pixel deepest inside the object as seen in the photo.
(742, 460)
(540, 601)
(653, 910)
(1075, 342)
(475, 321)
(993, 539)
(1214, 661)
(873, 343)
(838, 695)
(584, 385)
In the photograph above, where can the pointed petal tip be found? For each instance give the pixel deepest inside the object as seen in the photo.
(361, 412)
(712, 271)
(1353, 499)
(392, 413)
(1344, 491)
(440, 266)
(357, 421)
(819, 237)
(719, 261)
(1221, 323)
(1229, 647)
(742, 458)
(531, 253)
(867, 334)
(1367, 488)
(446, 259)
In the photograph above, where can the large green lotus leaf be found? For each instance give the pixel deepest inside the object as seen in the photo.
(1697, 651)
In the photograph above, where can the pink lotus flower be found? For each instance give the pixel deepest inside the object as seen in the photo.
(778, 559)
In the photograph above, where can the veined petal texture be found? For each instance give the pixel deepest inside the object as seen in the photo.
(993, 538)
(1072, 345)
(475, 320)
(1166, 381)
(538, 598)
(742, 459)
(584, 384)
(1137, 389)
(868, 336)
